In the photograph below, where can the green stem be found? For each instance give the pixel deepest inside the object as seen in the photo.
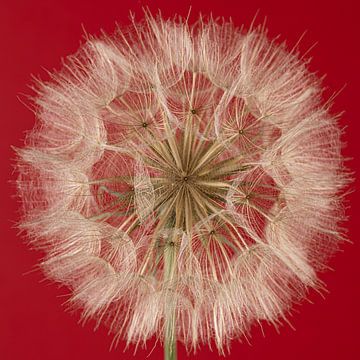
(170, 351)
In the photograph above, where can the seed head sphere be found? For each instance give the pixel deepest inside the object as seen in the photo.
(184, 181)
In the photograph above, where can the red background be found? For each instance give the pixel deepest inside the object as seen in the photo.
(35, 35)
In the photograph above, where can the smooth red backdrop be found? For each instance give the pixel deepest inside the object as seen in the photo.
(35, 35)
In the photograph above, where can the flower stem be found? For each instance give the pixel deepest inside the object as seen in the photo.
(170, 351)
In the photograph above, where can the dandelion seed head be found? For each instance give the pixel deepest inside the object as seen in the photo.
(184, 175)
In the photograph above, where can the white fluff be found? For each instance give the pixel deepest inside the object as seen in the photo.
(185, 178)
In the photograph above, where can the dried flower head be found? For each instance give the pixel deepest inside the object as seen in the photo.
(184, 181)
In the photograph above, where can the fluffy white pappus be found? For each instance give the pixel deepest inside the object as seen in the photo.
(52, 186)
(185, 181)
(67, 129)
